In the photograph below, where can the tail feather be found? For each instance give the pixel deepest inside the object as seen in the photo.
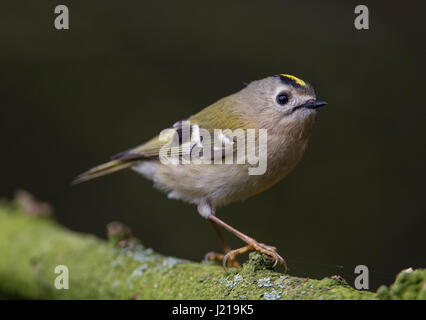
(102, 170)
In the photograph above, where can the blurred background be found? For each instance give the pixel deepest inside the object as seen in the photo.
(125, 70)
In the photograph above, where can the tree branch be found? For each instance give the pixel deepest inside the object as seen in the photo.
(31, 246)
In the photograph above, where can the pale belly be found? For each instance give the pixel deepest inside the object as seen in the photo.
(220, 184)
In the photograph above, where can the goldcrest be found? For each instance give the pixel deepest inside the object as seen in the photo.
(210, 158)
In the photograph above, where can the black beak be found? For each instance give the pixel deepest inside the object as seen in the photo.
(313, 104)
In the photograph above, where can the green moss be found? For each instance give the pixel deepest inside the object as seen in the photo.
(409, 285)
(122, 268)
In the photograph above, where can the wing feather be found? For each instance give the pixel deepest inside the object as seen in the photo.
(220, 115)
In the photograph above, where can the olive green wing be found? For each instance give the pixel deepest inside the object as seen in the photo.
(183, 136)
(220, 115)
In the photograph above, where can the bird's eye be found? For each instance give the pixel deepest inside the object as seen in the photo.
(282, 99)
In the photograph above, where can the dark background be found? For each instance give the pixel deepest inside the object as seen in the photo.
(126, 70)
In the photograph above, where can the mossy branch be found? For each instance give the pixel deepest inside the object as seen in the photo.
(31, 246)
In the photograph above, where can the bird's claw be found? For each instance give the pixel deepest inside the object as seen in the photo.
(270, 251)
(211, 256)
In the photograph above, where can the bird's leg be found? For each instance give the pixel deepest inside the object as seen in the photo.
(218, 256)
(226, 247)
(251, 244)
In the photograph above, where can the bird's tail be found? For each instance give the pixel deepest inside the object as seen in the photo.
(103, 169)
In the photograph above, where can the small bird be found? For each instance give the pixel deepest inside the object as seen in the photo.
(283, 107)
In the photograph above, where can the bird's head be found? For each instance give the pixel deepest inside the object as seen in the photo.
(282, 99)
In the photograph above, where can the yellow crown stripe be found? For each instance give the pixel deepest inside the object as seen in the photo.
(298, 81)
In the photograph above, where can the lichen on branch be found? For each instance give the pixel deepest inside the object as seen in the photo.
(122, 268)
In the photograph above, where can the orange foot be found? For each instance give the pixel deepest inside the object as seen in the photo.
(212, 256)
(254, 245)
